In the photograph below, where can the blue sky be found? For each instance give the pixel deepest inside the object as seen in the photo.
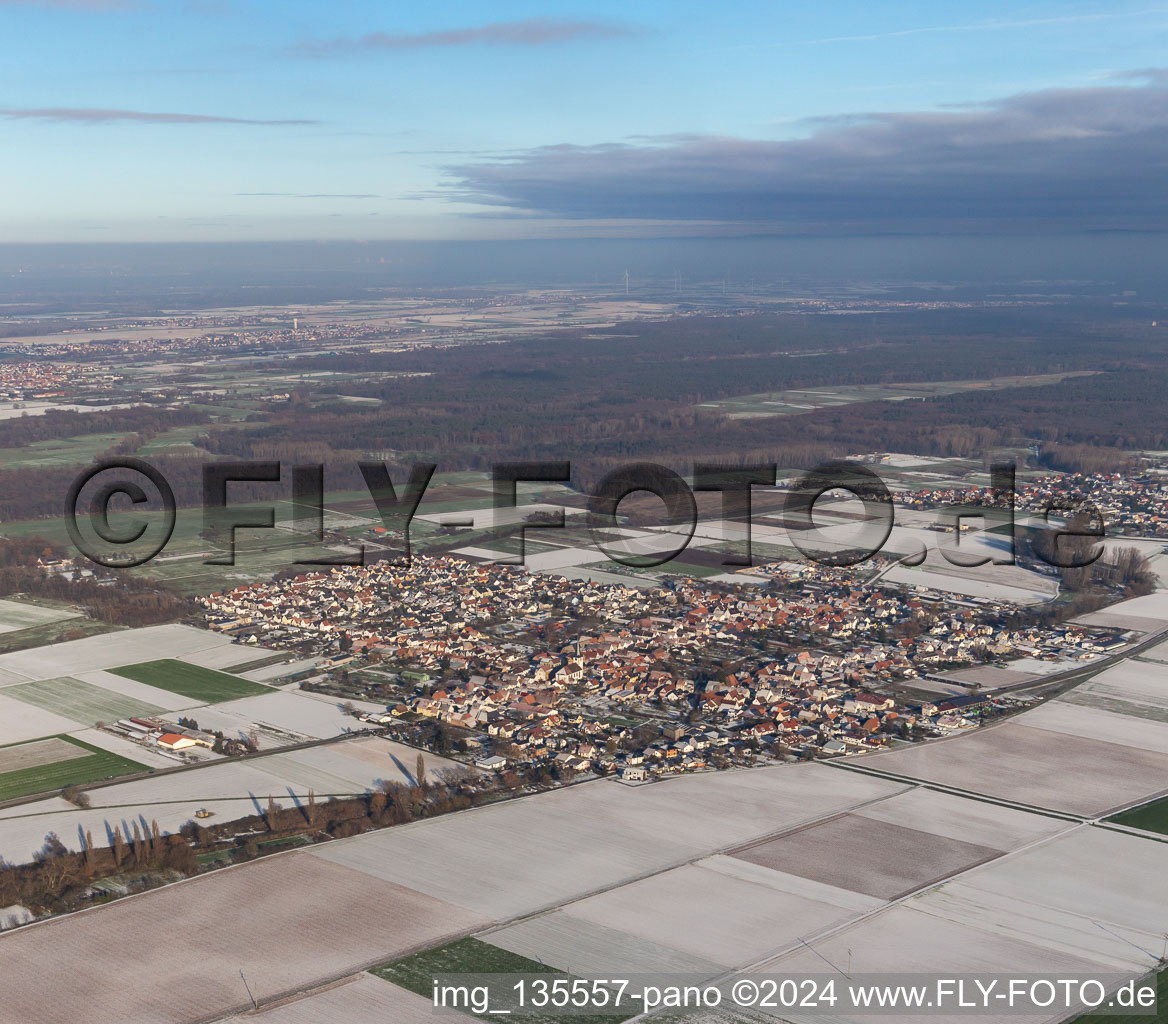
(378, 120)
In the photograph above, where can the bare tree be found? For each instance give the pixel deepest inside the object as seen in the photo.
(75, 796)
(420, 771)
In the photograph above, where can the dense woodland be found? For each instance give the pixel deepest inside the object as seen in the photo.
(145, 421)
(132, 602)
(634, 392)
(595, 400)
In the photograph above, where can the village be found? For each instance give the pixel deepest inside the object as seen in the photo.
(40, 380)
(532, 671)
(1129, 504)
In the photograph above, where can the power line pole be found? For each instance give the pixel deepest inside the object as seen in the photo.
(255, 1005)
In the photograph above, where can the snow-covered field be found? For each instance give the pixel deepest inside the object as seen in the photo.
(709, 914)
(20, 721)
(362, 999)
(167, 700)
(526, 855)
(282, 920)
(82, 702)
(1147, 614)
(574, 943)
(602, 877)
(905, 940)
(16, 615)
(111, 650)
(1133, 688)
(228, 788)
(1093, 892)
(1034, 766)
(483, 518)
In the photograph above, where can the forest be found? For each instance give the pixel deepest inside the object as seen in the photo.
(599, 399)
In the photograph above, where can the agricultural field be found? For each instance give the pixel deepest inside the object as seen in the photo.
(583, 947)
(709, 911)
(17, 615)
(900, 859)
(85, 704)
(1071, 718)
(36, 753)
(904, 940)
(284, 920)
(1147, 614)
(232, 658)
(416, 973)
(361, 999)
(1096, 893)
(228, 788)
(1034, 766)
(64, 451)
(192, 681)
(652, 873)
(969, 821)
(1132, 1018)
(20, 721)
(52, 633)
(1134, 688)
(794, 402)
(45, 765)
(280, 716)
(127, 646)
(1151, 817)
(465, 956)
(562, 845)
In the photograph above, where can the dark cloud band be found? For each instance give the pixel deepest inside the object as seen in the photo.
(1061, 159)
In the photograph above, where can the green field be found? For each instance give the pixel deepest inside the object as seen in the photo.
(1152, 817)
(694, 571)
(471, 956)
(78, 771)
(1159, 1017)
(192, 681)
(63, 451)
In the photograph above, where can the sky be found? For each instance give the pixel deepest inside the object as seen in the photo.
(226, 120)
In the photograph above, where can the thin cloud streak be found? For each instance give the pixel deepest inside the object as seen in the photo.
(525, 32)
(80, 5)
(101, 115)
(311, 195)
(976, 26)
